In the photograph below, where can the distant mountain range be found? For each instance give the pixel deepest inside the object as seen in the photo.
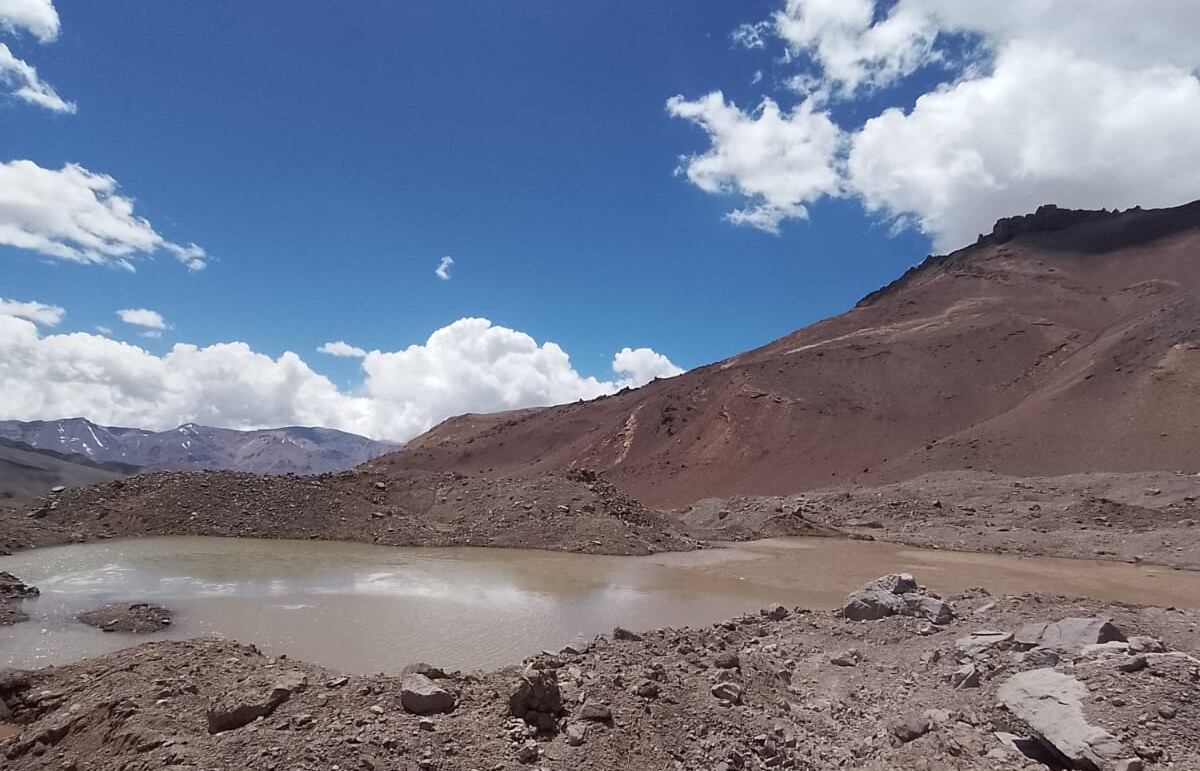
(287, 450)
(26, 472)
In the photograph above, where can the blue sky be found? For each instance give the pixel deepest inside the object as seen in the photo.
(326, 156)
(327, 160)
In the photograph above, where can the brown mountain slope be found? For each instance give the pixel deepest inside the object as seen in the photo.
(1062, 342)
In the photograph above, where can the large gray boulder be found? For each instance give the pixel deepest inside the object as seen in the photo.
(250, 701)
(421, 696)
(871, 605)
(895, 594)
(1069, 635)
(1050, 703)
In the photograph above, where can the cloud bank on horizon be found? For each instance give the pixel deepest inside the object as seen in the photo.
(471, 365)
(1087, 104)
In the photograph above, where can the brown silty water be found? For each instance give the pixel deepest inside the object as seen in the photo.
(364, 608)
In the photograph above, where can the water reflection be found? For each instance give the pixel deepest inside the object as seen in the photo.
(365, 608)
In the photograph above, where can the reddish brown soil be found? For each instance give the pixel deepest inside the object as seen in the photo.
(1038, 351)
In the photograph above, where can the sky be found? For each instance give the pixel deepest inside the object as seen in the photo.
(373, 216)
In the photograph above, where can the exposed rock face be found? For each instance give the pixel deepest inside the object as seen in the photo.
(537, 694)
(1070, 634)
(252, 701)
(892, 595)
(1049, 702)
(136, 618)
(421, 696)
(12, 592)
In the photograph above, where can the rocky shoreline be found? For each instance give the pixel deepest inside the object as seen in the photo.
(927, 683)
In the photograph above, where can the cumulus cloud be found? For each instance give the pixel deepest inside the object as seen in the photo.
(1082, 104)
(343, 349)
(77, 215)
(35, 16)
(39, 18)
(777, 161)
(641, 365)
(442, 270)
(470, 365)
(143, 317)
(39, 313)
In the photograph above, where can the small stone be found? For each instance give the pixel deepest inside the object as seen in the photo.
(594, 712)
(621, 633)
(912, 727)
(421, 696)
(727, 661)
(730, 693)
(846, 658)
(337, 682)
(1167, 712)
(648, 690)
(1132, 664)
(776, 612)
(576, 734)
(966, 676)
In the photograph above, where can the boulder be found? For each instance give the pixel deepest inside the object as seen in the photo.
(978, 643)
(727, 661)
(597, 713)
(910, 728)
(135, 618)
(1069, 634)
(421, 668)
(935, 610)
(871, 605)
(1050, 703)
(893, 583)
(776, 612)
(576, 734)
(251, 701)
(421, 696)
(536, 692)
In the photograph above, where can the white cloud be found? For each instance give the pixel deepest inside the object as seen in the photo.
(74, 214)
(1083, 104)
(1044, 127)
(641, 365)
(343, 349)
(23, 80)
(40, 19)
(750, 35)
(143, 317)
(470, 365)
(442, 270)
(777, 161)
(39, 313)
(35, 16)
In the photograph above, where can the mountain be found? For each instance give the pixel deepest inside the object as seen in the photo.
(1063, 341)
(267, 451)
(26, 472)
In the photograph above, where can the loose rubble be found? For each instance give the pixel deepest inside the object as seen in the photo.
(753, 692)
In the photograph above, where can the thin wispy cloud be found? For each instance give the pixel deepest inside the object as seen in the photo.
(442, 270)
(143, 317)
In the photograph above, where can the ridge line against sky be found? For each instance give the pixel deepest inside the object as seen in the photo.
(909, 124)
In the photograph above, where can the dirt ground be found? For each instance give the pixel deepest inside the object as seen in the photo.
(813, 690)
(1138, 517)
